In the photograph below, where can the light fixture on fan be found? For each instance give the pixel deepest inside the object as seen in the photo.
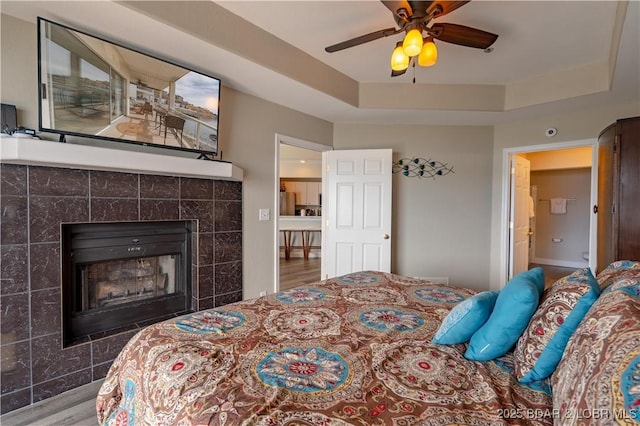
(399, 59)
(415, 18)
(428, 54)
(414, 45)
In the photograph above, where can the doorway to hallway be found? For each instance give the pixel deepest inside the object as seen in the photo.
(554, 243)
(299, 175)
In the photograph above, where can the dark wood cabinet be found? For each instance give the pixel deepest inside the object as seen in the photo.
(619, 192)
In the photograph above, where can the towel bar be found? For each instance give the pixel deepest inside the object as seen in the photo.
(546, 200)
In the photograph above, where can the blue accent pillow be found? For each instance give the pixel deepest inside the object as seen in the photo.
(514, 307)
(563, 306)
(465, 318)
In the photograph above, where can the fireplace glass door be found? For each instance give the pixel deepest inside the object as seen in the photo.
(122, 281)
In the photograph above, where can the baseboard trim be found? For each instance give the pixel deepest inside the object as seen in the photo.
(437, 280)
(562, 263)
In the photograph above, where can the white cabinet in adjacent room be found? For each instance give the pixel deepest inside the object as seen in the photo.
(313, 193)
(307, 193)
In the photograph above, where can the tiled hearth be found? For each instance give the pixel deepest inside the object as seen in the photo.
(34, 202)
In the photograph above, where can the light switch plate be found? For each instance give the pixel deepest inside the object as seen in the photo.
(264, 214)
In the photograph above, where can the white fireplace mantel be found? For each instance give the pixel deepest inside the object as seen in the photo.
(72, 156)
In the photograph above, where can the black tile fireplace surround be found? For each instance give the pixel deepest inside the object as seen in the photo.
(34, 202)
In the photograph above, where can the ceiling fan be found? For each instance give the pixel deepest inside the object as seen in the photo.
(415, 18)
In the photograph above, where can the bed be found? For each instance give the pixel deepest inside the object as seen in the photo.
(353, 350)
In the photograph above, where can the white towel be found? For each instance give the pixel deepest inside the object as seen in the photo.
(532, 208)
(558, 205)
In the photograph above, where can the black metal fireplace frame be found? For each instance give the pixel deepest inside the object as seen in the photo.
(84, 243)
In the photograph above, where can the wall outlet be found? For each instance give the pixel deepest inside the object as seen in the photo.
(264, 214)
(263, 293)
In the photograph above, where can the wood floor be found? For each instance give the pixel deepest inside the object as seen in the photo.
(296, 271)
(553, 273)
(76, 407)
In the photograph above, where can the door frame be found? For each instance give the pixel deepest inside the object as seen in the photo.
(299, 143)
(507, 153)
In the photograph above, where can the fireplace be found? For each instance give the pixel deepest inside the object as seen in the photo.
(38, 201)
(121, 274)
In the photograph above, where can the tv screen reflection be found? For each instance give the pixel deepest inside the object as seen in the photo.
(95, 88)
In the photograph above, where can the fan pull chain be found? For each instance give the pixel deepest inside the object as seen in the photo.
(414, 70)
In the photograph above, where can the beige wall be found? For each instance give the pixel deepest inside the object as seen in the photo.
(441, 226)
(248, 126)
(560, 239)
(18, 72)
(577, 126)
(463, 243)
(251, 124)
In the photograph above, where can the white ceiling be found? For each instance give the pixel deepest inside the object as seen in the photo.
(537, 40)
(535, 37)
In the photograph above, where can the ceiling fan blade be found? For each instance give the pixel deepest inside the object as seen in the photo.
(441, 8)
(362, 39)
(462, 35)
(397, 73)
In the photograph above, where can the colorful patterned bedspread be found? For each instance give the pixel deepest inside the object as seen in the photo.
(353, 350)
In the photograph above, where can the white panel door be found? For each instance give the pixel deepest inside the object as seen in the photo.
(356, 211)
(519, 221)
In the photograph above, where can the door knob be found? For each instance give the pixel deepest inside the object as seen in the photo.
(385, 236)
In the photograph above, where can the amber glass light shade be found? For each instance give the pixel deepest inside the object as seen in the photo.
(399, 60)
(429, 53)
(412, 43)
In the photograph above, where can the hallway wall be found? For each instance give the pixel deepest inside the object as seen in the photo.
(572, 228)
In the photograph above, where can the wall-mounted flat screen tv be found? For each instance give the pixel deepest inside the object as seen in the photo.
(96, 88)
